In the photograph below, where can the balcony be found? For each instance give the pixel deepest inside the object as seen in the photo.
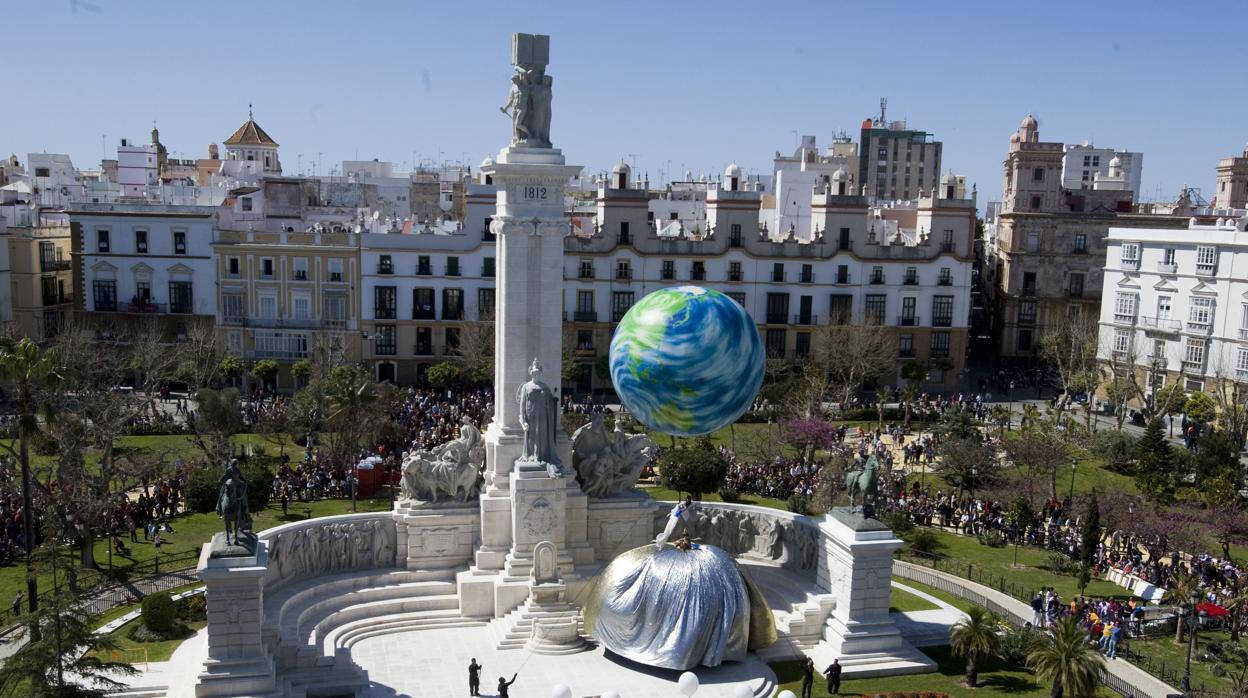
(1197, 367)
(1071, 292)
(1161, 324)
(1243, 333)
(335, 276)
(842, 278)
(876, 279)
(1167, 268)
(734, 275)
(908, 321)
(623, 274)
(626, 238)
(944, 281)
(428, 349)
(777, 318)
(51, 265)
(734, 241)
(585, 273)
(425, 313)
(585, 316)
(697, 275)
(424, 270)
(56, 299)
(1129, 264)
(1029, 291)
(1124, 318)
(1206, 269)
(300, 275)
(777, 276)
(942, 321)
(278, 354)
(145, 308)
(905, 353)
(1198, 327)
(946, 247)
(1027, 319)
(452, 270)
(910, 280)
(807, 277)
(385, 268)
(273, 323)
(806, 319)
(384, 313)
(667, 274)
(452, 313)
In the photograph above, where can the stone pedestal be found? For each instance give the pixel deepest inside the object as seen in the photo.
(238, 661)
(538, 513)
(436, 536)
(617, 524)
(856, 568)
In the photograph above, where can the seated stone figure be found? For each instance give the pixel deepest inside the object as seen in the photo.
(450, 471)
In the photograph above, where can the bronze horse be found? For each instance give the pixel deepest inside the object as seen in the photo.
(232, 506)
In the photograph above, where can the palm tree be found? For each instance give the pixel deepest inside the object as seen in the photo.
(1237, 604)
(1002, 416)
(1180, 592)
(27, 367)
(973, 637)
(909, 395)
(1068, 659)
(881, 398)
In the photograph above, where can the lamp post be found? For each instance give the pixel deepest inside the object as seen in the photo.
(1074, 465)
(974, 474)
(1191, 643)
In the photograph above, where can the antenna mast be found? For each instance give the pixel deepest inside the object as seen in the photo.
(883, 108)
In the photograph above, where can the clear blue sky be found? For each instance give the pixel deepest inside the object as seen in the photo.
(682, 85)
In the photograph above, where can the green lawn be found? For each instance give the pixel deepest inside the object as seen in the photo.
(996, 679)
(663, 494)
(960, 604)
(903, 601)
(997, 562)
(1161, 650)
(134, 651)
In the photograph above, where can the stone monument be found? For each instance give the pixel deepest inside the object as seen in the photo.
(524, 503)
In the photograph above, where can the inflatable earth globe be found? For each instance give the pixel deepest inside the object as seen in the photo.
(686, 361)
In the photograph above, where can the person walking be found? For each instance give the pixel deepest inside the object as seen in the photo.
(504, 684)
(808, 677)
(474, 678)
(17, 604)
(1037, 611)
(833, 673)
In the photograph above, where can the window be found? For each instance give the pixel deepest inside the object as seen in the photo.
(1194, 354)
(101, 240)
(946, 242)
(1033, 241)
(487, 267)
(385, 302)
(802, 348)
(621, 301)
(877, 275)
(335, 269)
(422, 304)
(1122, 341)
(912, 276)
(424, 341)
(1024, 340)
(424, 267)
(697, 271)
(842, 242)
(452, 339)
(1167, 257)
(234, 342)
(808, 273)
(907, 311)
(875, 307)
(1159, 352)
(385, 343)
(841, 309)
(233, 307)
(452, 266)
(585, 340)
(777, 308)
(1027, 313)
(842, 273)
(485, 304)
(1130, 255)
(1037, 174)
(777, 271)
(734, 237)
(668, 270)
(302, 305)
(246, 201)
(1029, 283)
(301, 268)
(140, 242)
(586, 270)
(738, 297)
(105, 295)
(1124, 306)
(181, 297)
(1200, 313)
(1075, 287)
(385, 264)
(625, 238)
(268, 307)
(1241, 363)
(1081, 242)
(623, 269)
(266, 268)
(179, 242)
(143, 292)
(734, 271)
(905, 345)
(946, 277)
(1035, 203)
(43, 172)
(775, 341)
(942, 311)
(1163, 307)
(940, 345)
(1206, 259)
(452, 304)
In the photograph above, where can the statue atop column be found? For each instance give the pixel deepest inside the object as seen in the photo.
(539, 417)
(528, 103)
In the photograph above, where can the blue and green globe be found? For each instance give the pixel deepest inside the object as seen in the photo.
(686, 360)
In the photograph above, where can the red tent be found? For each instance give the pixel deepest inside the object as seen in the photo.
(1212, 610)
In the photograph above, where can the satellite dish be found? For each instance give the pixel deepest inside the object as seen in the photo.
(376, 215)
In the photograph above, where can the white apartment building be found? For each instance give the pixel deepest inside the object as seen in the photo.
(1177, 300)
(144, 261)
(1083, 163)
(797, 175)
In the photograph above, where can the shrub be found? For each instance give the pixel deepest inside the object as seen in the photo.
(924, 542)
(1017, 644)
(193, 608)
(204, 487)
(798, 504)
(694, 470)
(729, 495)
(899, 521)
(992, 539)
(1116, 448)
(1061, 564)
(158, 612)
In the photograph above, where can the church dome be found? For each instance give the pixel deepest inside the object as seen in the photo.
(1014, 138)
(1028, 122)
(949, 178)
(840, 175)
(1116, 162)
(734, 170)
(488, 162)
(621, 167)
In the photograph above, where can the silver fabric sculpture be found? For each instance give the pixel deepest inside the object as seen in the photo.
(608, 463)
(669, 607)
(452, 470)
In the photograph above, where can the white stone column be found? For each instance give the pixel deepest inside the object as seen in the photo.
(238, 661)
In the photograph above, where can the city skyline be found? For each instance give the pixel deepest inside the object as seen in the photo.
(324, 89)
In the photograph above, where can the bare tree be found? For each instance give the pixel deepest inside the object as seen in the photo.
(1070, 351)
(851, 355)
(476, 349)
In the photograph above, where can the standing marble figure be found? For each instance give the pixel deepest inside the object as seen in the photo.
(539, 417)
(528, 103)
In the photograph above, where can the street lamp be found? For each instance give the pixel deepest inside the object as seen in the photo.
(1074, 465)
(974, 474)
(1191, 642)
